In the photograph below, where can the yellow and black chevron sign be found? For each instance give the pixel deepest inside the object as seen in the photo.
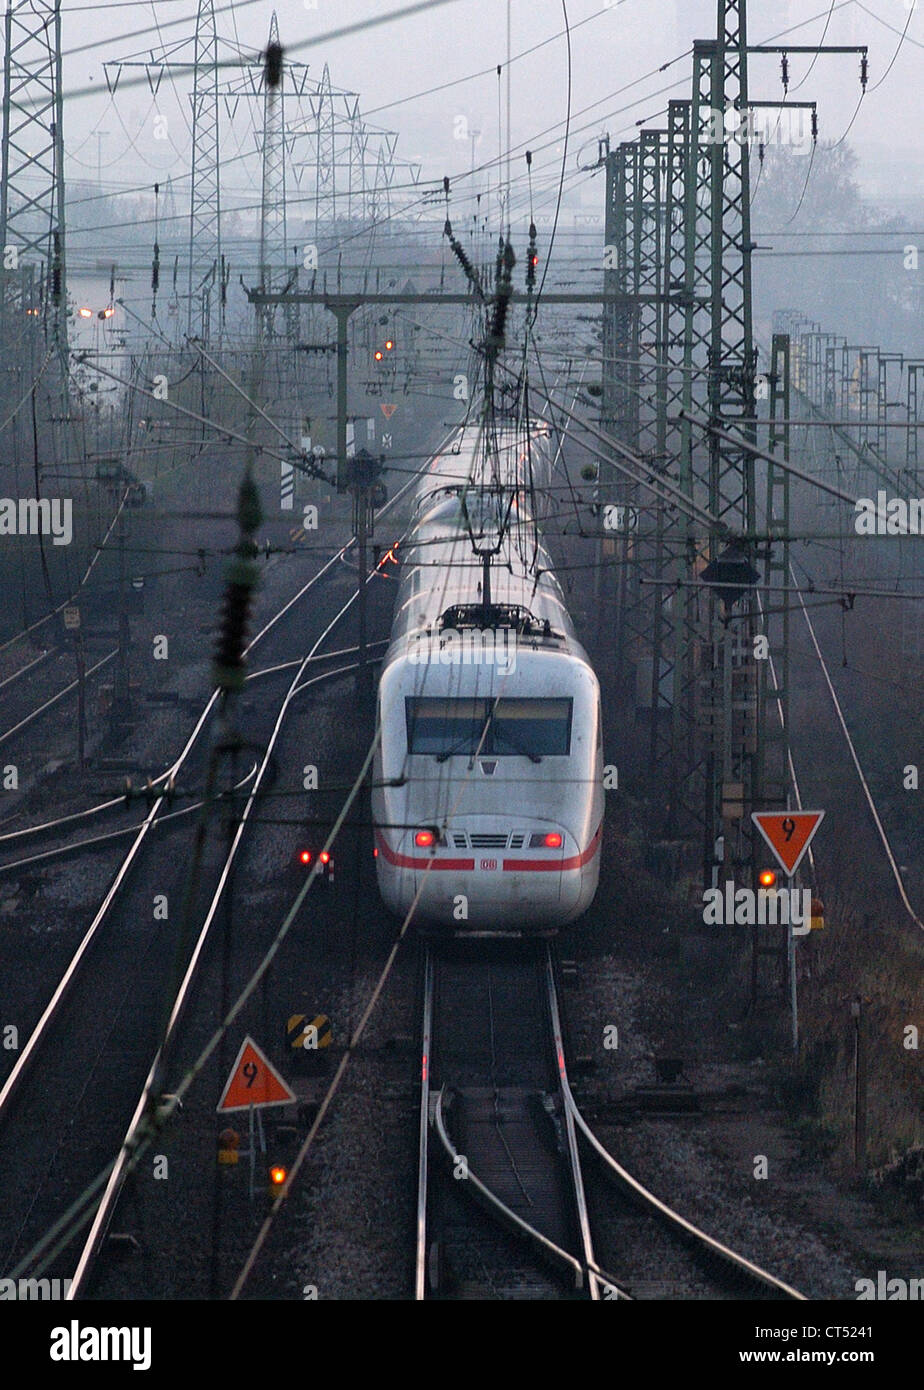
(306, 1034)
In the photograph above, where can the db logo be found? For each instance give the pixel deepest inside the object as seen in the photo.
(489, 863)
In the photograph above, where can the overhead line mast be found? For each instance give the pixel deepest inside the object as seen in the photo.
(678, 219)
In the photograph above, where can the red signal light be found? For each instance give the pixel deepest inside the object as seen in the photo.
(553, 840)
(767, 878)
(324, 857)
(379, 355)
(389, 345)
(424, 839)
(305, 856)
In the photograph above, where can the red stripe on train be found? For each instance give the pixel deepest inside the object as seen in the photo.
(576, 861)
(410, 861)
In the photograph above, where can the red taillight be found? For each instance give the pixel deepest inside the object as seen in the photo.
(325, 857)
(375, 854)
(552, 840)
(424, 839)
(305, 856)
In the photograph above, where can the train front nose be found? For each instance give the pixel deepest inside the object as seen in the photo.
(483, 876)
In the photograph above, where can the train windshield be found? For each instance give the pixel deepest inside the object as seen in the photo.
(498, 728)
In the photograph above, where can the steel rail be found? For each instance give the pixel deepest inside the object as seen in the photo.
(510, 1218)
(73, 1214)
(110, 1196)
(574, 1162)
(49, 704)
(423, 1146)
(673, 1218)
(97, 841)
(24, 1061)
(122, 801)
(109, 1199)
(30, 666)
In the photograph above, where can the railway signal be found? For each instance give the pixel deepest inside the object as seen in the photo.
(229, 1147)
(789, 834)
(254, 1083)
(325, 859)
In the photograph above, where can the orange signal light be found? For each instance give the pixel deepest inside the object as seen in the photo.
(388, 345)
(86, 313)
(767, 878)
(379, 355)
(277, 1176)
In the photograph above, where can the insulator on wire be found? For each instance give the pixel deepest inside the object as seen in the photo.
(784, 66)
(761, 151)
(272, 69)
(228, 666)
(532, 258)
(249, 511)
(864, 71)
(459, 252)
(814, 127)
(506, 261)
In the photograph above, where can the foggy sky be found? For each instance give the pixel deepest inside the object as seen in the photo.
(401, 58)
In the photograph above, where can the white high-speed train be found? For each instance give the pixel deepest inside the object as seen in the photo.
(488, 797)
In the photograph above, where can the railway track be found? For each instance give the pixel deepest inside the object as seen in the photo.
(502, 1208)
(111, 1034)
(19, 714)
(496, 1138)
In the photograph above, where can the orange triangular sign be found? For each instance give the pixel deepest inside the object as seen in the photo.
(788, 833)
(388, 411)
(254, 1081)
